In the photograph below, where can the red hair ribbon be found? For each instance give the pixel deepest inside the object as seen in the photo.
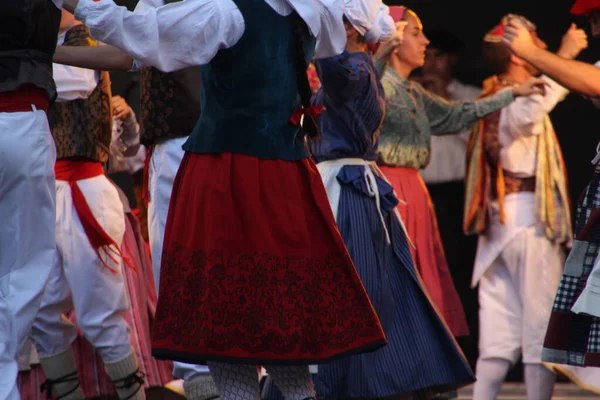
(397, 13)
(314, 111)
(496, 34)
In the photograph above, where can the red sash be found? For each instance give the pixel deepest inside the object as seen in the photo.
(22, 99)
(73, 171)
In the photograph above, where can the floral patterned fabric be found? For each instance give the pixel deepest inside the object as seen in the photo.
(254, 269)
(414, 114)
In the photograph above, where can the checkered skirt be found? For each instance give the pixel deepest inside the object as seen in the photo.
(571, 338)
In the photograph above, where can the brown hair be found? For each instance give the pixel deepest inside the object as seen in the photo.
(497, 56)
(347, 23)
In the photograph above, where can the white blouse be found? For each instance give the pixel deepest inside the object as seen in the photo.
(521, 122)
(73, 83)
(191, 32)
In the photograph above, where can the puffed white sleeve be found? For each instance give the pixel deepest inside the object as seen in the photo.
(170, 37)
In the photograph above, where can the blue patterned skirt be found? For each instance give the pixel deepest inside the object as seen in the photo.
(421, 354)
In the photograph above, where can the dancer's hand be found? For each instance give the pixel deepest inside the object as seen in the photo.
(70, 5)
(531, 87)
(388, 47)
(400, 27)
(121, 110)
(573, 43)
(518, 38)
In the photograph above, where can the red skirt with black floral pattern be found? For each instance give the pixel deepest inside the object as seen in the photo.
(254, 269)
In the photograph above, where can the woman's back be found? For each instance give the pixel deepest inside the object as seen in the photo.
(251, 91)
(355, 105)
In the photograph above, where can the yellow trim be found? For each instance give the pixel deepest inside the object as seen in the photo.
(172, 386)
(558, 369)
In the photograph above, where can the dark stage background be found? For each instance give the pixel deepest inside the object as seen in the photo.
(575, 120)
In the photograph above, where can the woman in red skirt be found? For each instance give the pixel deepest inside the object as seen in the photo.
(254, 270)
(413, 115)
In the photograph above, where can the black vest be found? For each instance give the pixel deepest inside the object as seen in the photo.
(82, 128)
(170, 102)
(251, 89)
(28, 32)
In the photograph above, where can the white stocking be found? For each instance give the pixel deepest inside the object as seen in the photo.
(539, 382)
(490, 375)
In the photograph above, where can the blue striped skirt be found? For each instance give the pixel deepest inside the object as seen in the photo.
(421, 354)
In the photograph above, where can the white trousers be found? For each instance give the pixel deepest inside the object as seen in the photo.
(27, 246)
(81, 282)
(164, 164)
(516, 294)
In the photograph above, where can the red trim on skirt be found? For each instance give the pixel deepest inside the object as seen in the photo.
(254, 269)
(418, 214)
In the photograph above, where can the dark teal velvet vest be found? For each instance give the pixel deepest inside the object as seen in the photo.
(250, 92)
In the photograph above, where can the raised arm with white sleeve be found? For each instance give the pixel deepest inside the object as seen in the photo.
(171, 37)
(188, 33)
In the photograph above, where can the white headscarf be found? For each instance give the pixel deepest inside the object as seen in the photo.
(371, 18)
(58, 3)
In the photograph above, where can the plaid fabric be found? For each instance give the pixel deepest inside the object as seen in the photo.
(588, 264)
(574, 339)
(594, 343)
(566, 293)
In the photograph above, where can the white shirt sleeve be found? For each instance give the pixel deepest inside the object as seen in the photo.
(135, 163)
(324, 19)
(528, 111)
(170, 37)
(125, 147)
(142, 6)
(520, 125)
(73, 83)
(126, 137)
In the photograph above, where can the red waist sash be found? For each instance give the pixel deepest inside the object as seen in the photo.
(73, 171)
(22, 99)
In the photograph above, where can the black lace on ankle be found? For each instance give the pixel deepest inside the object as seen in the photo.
(49, 383)
(129, 381)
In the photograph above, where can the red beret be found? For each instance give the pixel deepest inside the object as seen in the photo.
(583, 7)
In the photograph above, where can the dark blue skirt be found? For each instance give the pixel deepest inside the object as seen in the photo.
(421, 354)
